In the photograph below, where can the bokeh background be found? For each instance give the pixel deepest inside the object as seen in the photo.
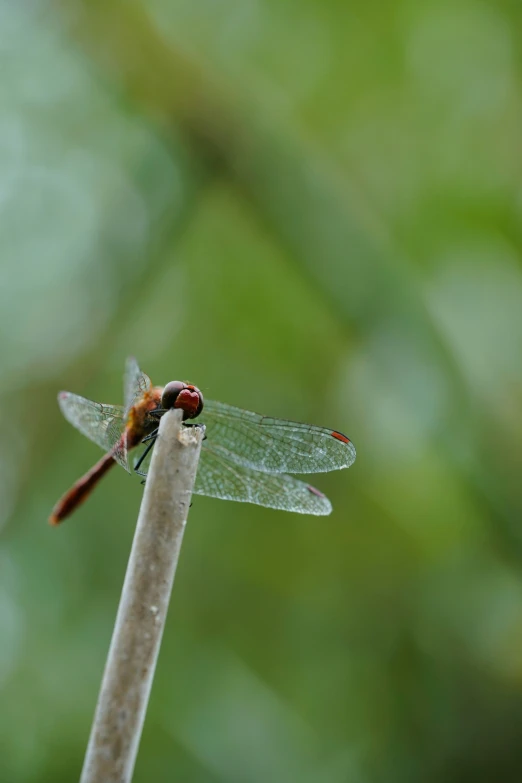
(311, 209)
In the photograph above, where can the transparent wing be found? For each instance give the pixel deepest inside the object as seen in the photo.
(274, 445)
(135, 384)
(103, 424)
(219, 477)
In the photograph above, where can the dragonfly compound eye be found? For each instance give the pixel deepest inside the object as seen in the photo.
(184, 396)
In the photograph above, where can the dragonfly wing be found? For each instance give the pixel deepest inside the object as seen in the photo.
(219, 477)
(135, 383)
(274, 445)
(103, 424)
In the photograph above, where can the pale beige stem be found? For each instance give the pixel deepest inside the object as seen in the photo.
(136, 639)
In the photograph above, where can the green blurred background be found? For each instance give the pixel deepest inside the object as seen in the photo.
(313, 210)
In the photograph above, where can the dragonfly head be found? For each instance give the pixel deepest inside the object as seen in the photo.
(183, 395)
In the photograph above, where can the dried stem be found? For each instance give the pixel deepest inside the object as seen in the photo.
(136, 639)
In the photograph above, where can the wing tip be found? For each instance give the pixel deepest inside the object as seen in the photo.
(344, 439)
(324, 506)
(62, 398)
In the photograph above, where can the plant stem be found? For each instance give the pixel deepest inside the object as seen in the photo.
(136, 638)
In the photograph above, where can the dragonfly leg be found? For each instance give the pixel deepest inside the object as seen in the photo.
(151, 444)
(158, 413)
(152, 436)
(151, 439)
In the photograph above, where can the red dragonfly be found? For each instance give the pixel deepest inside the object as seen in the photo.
(244, 457)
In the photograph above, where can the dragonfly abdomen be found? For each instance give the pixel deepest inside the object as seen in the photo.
(81, 490)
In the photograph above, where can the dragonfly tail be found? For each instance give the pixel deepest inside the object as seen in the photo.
(80, 490)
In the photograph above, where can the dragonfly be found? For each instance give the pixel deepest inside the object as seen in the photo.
(244, 456)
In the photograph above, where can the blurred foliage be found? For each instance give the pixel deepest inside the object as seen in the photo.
(310, 209)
